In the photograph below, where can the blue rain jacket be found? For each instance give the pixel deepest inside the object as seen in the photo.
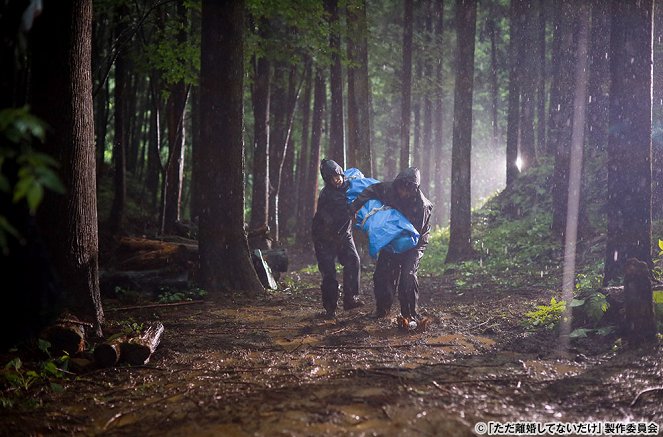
(386, 228)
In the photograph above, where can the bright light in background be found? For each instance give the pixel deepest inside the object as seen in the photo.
(519, 163)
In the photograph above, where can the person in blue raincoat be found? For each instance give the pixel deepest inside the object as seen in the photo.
(400, 269)
(332, 240)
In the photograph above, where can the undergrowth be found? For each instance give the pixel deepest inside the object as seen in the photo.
(516, 250)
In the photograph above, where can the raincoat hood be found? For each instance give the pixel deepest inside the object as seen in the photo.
(329, 169)
(409, 176)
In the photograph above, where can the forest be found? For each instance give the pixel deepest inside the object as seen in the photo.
(173, 262)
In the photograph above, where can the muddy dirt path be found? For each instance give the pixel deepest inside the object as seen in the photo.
(272, 366)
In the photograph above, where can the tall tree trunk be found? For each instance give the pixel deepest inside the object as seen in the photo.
(225, 263)
(415, 148)
(494, 79)
(287, 181)
(657, 109)
(427, 125)
(195, 153)
(154, 166)
(528, 75)
(260, 95)
(277, 132)
(541, 81)
(359, 92)
(304, 206)
(171, 198)
(62, 96)
(283, 114)
(513, 117)
(172, 191)
(311, 190)
(576, 162)
(336, 135)
(102, 100)
(629, 143)
(554, 100)
(599, 79)
(133, 125)
(406, 84)
(391, 151)
(119, 142)
(561, 135)
(460, 234)
(441, 210)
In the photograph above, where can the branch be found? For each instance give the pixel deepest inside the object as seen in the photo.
(156, 305)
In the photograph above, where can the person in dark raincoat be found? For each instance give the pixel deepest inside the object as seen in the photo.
(400, 269)
(332, 239)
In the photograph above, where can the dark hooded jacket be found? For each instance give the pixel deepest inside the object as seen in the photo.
(417, 208)
(332, 217)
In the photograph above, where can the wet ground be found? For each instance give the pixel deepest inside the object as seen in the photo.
(272, 366)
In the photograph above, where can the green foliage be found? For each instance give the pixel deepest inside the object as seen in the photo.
(18, 380)
(288, 30)
(589, 305)
(130, 327)
(36, 172)
(310, 269)
(658, 309)
(658, 262)
(168, 296)
(594, 306)
(546, 316)
(585, 332)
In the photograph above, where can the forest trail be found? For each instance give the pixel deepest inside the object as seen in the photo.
(272, 366)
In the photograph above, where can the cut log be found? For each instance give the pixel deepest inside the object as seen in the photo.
(108, 354)
(137, 350)
(174, 252)
(144, 280)
(67, 335)
(640, 320)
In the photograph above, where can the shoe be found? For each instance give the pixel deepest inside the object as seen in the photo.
(329, 315)
(352, 304)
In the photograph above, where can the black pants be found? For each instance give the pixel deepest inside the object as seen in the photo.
(326, 253)
(397, 270)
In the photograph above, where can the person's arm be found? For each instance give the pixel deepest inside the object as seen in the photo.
(375, 191)
(425, 230)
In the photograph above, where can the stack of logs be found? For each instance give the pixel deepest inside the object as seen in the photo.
(67, 336)
(132, 349)
(149, 264)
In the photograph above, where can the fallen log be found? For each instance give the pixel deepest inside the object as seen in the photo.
(137, 350)
(145, 280)
(170, 255)
(155, 305)
(67, 335)
(107, 354)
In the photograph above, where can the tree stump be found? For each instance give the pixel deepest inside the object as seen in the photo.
(137, 350)
(639, 318)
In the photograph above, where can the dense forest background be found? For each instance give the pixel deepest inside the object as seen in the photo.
(169, 119)
(159, 170)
